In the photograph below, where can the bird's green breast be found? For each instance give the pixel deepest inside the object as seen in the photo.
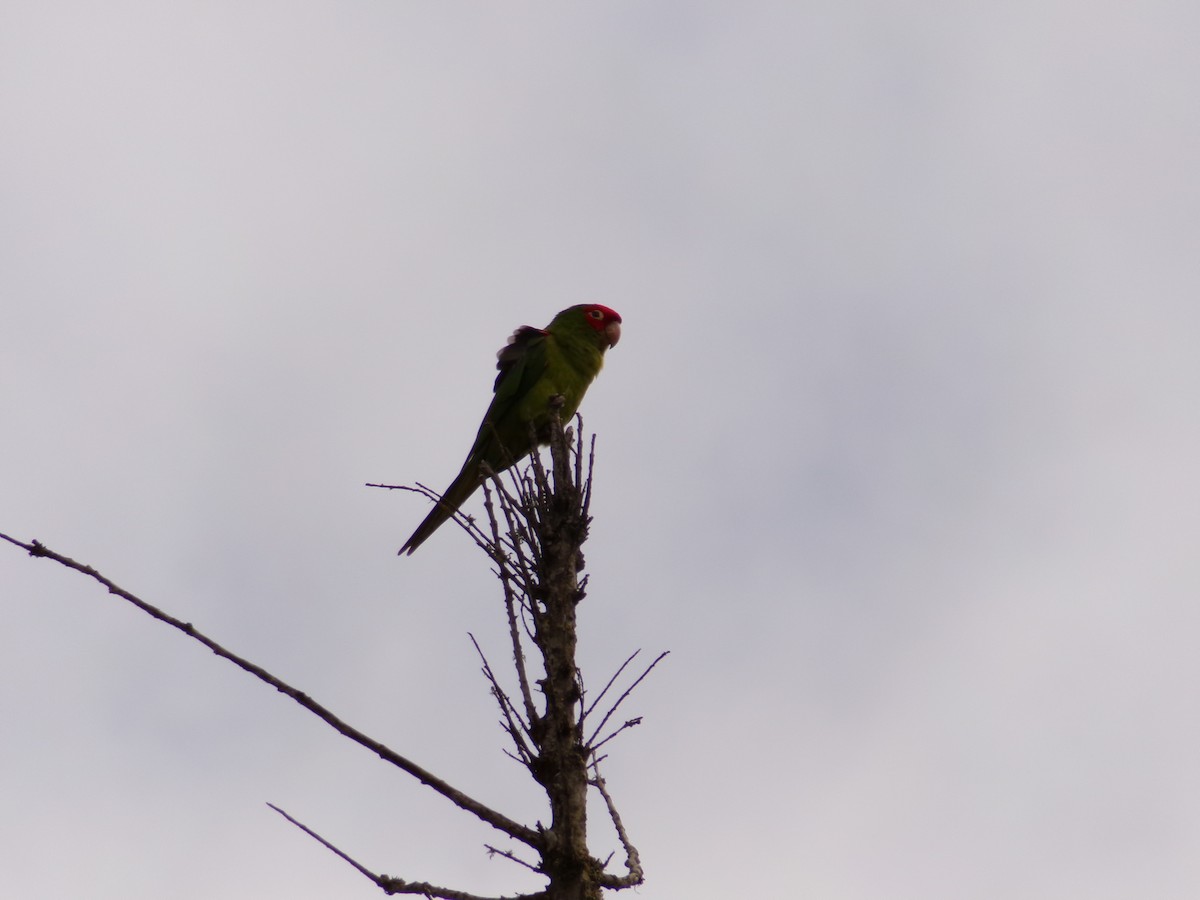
(571, 366)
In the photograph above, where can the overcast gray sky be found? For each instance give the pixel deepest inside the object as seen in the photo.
(897, 453)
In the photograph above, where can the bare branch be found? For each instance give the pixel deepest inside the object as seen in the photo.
(392, 885)
(516, 727)
(617, 674)
(508, 502)
(497, 820)
(628, 691)
(534, 542)
(508, 854)
(462, 520)
(579, 452)
(627, 724)
(327, 845)
(510, 599)
(22, 544)
(633, 862)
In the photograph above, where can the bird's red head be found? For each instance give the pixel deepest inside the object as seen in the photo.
(604, 320)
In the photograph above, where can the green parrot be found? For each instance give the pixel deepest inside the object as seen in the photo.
(535, 365)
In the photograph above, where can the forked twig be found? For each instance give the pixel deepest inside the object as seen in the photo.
(617, 674)
(621, 699)
(516, 727)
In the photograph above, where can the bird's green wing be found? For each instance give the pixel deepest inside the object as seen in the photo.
(503, 434)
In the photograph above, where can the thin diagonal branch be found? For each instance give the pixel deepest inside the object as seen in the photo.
(327, 845)
(508, 503)
(509, 855)
(465, 522)
(528, 535)
(510, 606)
(630, 723)
(392, 885)
(628, 691)
(496, 819)
(516, 727)
(617, 674)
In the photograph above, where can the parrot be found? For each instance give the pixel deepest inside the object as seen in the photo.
(536, 364)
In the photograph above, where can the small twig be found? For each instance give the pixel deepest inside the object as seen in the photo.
(617, 674)
(526, 506)
(586, 505)
(514, 505)
(560, 449)
(510, 607)
(516, 727)
(579, 449)
(628, 691)
(508, 854)
(462, 520)
(492, 482)
(519, 586)
(327, 845)
(499, 555)
(628, 724)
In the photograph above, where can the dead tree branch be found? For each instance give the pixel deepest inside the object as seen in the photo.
(534, 543)
(497, 820)
(399, 885)
(633, 862)
(629, 690)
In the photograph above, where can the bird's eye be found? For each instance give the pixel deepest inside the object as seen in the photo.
(596, 314)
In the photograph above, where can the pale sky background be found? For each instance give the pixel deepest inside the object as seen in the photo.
(897, 455)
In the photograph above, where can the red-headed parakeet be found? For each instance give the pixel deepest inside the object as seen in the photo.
(535, 365)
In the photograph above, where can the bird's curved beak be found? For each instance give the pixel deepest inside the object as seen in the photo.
(612, 332)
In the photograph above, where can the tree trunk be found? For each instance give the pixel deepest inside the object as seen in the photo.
(561, 764)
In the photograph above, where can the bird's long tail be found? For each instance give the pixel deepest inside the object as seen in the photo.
(460, 489)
